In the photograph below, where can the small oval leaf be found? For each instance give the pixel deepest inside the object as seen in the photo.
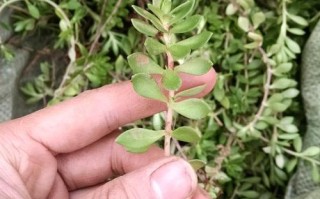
(197, 66)
(144, 28)
(147, 15)
(197, 164)
(179, 51)
(196, 41)
(166, 6)
(181, 11)
(192, 108)
(186, 134)
(244, 23)
(154, 47)
(141, 63)
(231, 9)
(191, 92)
(293, 46)
(157, 11)
(33, 10)
(311, 151)
(187, 25)
(299, 20)
(139, 140)
(147, 87)
(171, 80)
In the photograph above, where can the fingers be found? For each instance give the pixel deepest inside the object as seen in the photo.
(166, 178)
(83, 120)
(101, 160)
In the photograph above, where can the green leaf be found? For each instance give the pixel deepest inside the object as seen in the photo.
(191, 92)
(219, 93)
(281, 174)
(280, 161)
(289, 128)
(284, 68)
(293, 46)
(144, 28)
(249, 194)
(166, 6)
(225, 102)
(299, 20)
(157, 3)
(291, 93)
(186, 134)
(33, 10)
(157, 122)
(72, 90)
(157, 11)
(197, 164)
(181, 11)
(154, 47)
(291, 165)
(196, 41)
(73, 5)
(141, 63)
(296, 31)
(255, 36)
(252, 45)
(171, 80)
(192, 108)
(311, 151)
(147, 15)
(187, 25)
(244, 23)
(231, 9)
(315, 173)
(258, 18)
(297, 144)
(282, 83)
(147, 87)
(278, 106)
(139, 140)
(289, 136)
(197, 66)
(179, 51)
(246, 4)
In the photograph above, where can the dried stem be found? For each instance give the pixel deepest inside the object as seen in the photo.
(266, 88)
(169, 115)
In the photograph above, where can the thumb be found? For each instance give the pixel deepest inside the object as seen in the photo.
(167, 178)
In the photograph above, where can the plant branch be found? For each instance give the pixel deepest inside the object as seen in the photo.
(265, 59)
(169, 114)
(223, 154)
(103, 26)
(301, 156)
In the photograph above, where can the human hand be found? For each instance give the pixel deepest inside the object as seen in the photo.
(68, 150)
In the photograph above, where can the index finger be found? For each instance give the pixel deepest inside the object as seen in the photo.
(85, 119)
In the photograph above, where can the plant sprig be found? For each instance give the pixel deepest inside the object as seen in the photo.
(165, 21)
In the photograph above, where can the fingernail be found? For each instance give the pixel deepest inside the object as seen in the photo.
(174, 180)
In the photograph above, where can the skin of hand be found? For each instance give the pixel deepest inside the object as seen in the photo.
(68, 150)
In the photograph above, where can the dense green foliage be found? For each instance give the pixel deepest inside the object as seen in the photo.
(251, 141)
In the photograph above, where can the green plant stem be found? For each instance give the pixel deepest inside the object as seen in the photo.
(301, 156)
(169, 114)
(283, 33)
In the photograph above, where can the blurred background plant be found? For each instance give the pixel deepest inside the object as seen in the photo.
(252, 140)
